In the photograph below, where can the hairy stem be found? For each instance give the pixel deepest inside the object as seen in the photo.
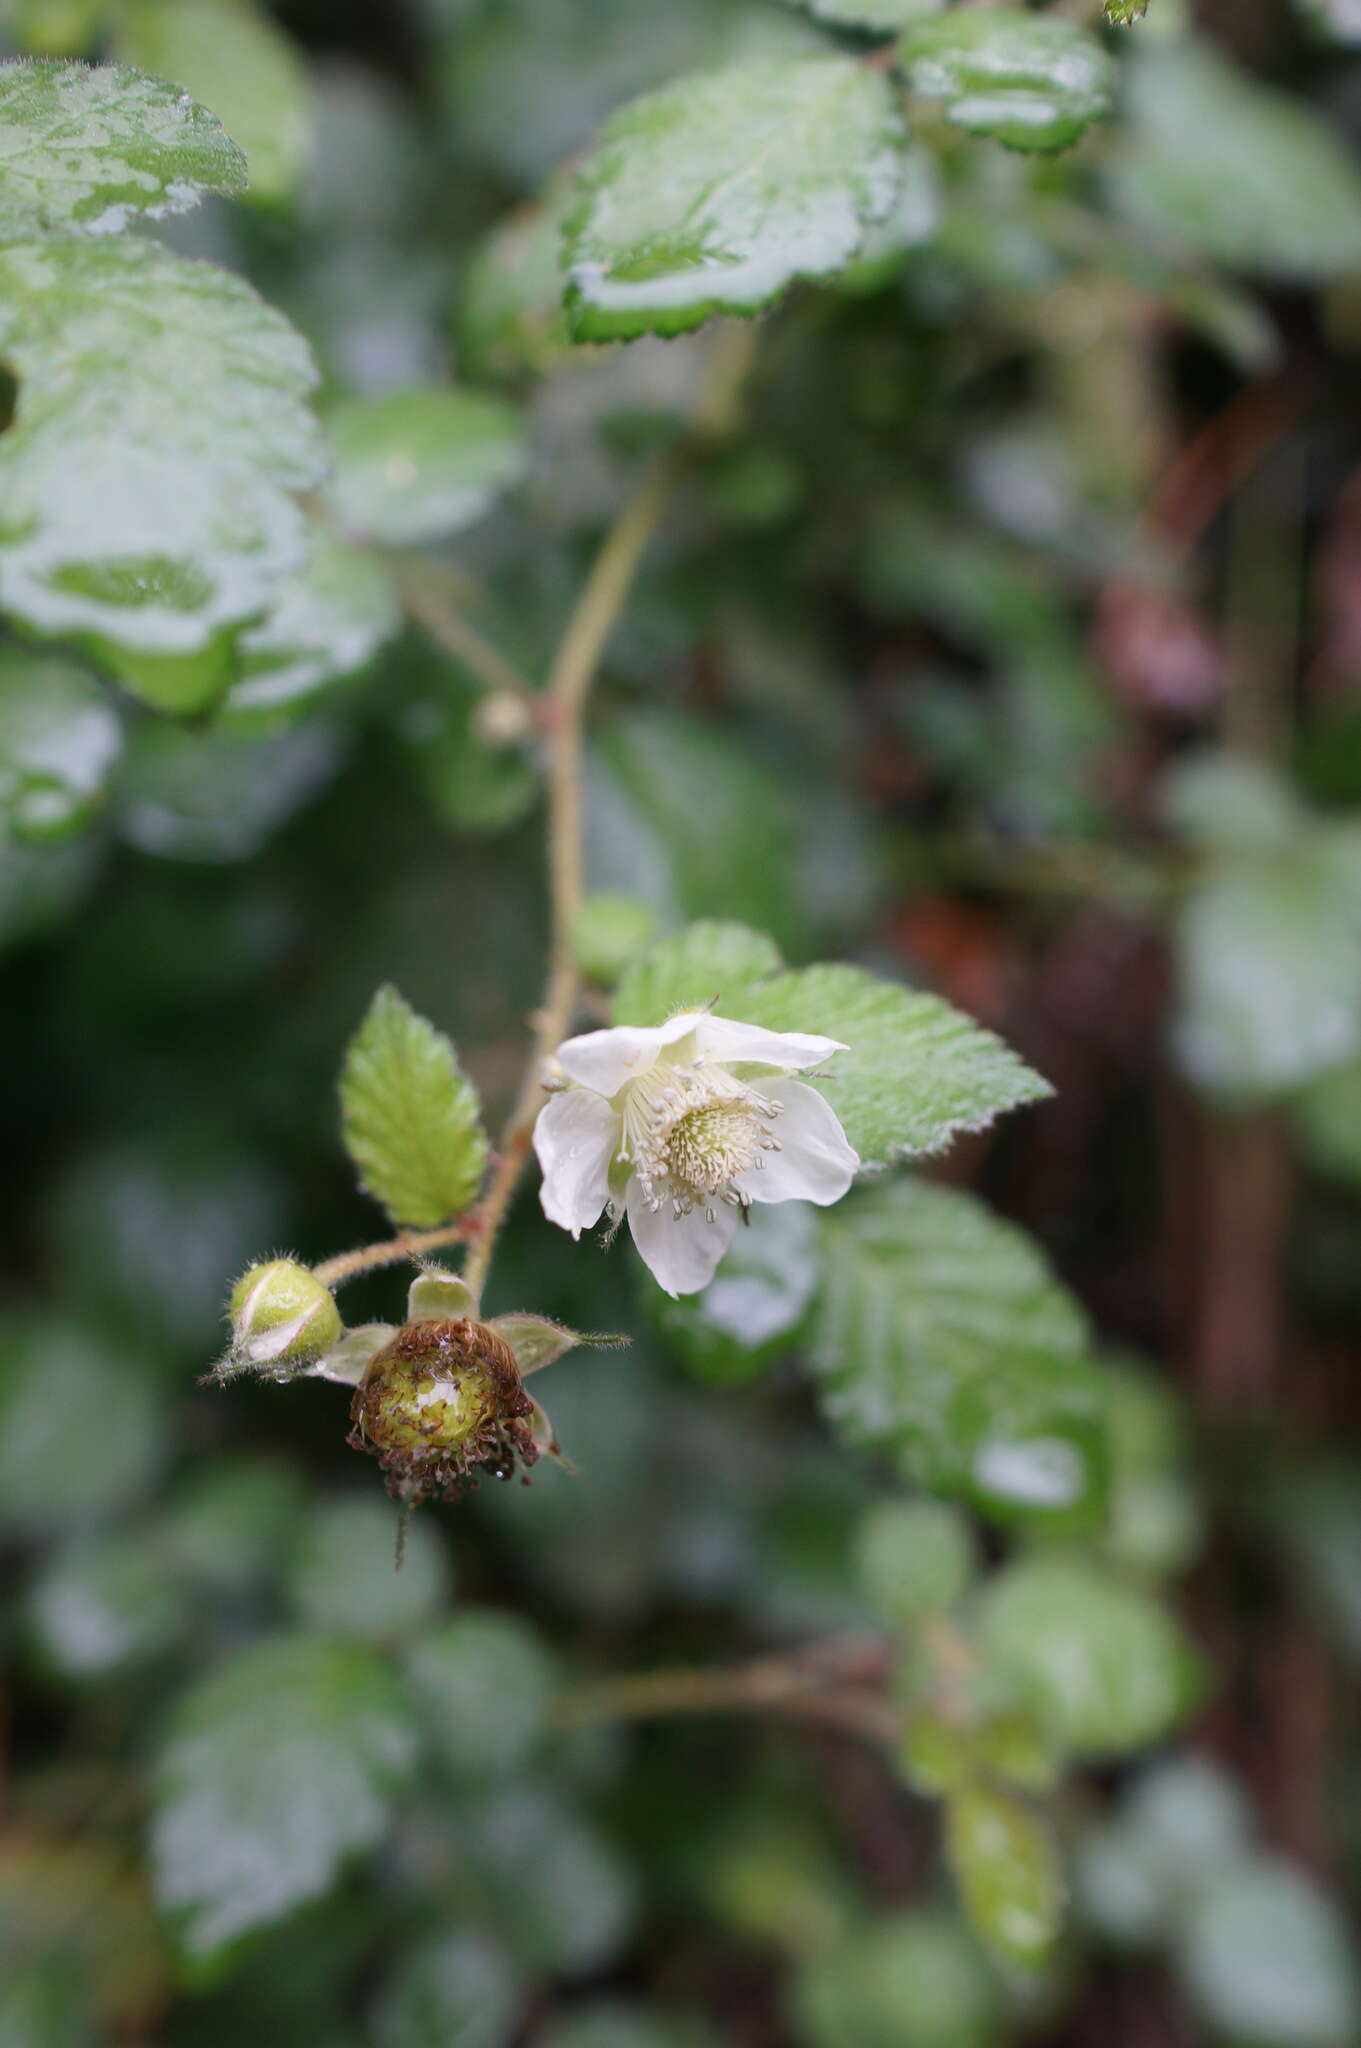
(569, 687)
(775, 1685)
(367, 1258)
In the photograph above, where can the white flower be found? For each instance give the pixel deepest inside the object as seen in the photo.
(680, 1128)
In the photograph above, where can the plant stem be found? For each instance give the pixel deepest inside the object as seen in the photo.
(485, 663)
(569, 686)
(412, 1244)
(778, 1685)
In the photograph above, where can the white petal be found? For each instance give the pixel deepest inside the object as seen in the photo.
(722, 1038)
(605, 1060)
(682, 1251)
(576, 1137)
(815, 1163)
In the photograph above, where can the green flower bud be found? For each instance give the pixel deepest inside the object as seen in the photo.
(441, 1404)
(611, 930)
(1124, 13)
(282, 1316)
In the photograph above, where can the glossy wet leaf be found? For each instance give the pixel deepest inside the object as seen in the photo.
(459, 1988)
(419, 465)
(279, 1766)
(562, 1895)
(239, 62)
(328, 622)
(1223, 165)
(1032, 81)
(59, 737)
(757, 1303)
(715, 193)
(881, 15)
(915, 1071)
(943, 1339)
(1269, 947)
(1006, 1864)
(410, 1116)
(91, 148)
(158, 512)
(1101, 1658)
(483, 1686)
(705, 963)
(340, 1576)
(56, 1477)
(184, 794)
(105, 1607)
(1268, 1957)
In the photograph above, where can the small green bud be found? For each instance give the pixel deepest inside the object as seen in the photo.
(282, 1315)
(440, 1404)
(1124, 13)
(611, 930)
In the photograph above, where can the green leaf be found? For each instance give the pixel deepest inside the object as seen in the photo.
(915, 1071)
(882, 15)
(419, 465)
(341, 1580)
(460, 1990)
(59, 736)
(241, 64)
(943, 1338)
(511, 317)
(1268, 1957)
(105, 1607)
(1269, 949)
(1031, 81)
(90, 148)
(561, 1894)
(914, 1557)
(706, 963)
(715, 193)
(328, 621)
(757, 1303)
(1223, 165)
(54, 1475)
(484, 1685)
(279, 1767)
(1328, 1124)
(410, 1117)
(1099, 1657)
(907, 1980)
(158, 511)
(1006, 1864)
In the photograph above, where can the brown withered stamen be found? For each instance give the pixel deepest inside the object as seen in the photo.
(440, 1405)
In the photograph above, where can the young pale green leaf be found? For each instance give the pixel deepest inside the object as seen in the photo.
(59, 737)
(1222, 165)
(328, 621)
(156, 513)
(1006, 1864)
(419, 465)
(706, 963)
(89, 149)
(410, 1116)
(943, 1338)
(278, 1768)
(233, 57)
(914, 1979)
(1031, 81)
(1098, 1656)
(715, 193)
(915, 1071)
(915, 1557)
